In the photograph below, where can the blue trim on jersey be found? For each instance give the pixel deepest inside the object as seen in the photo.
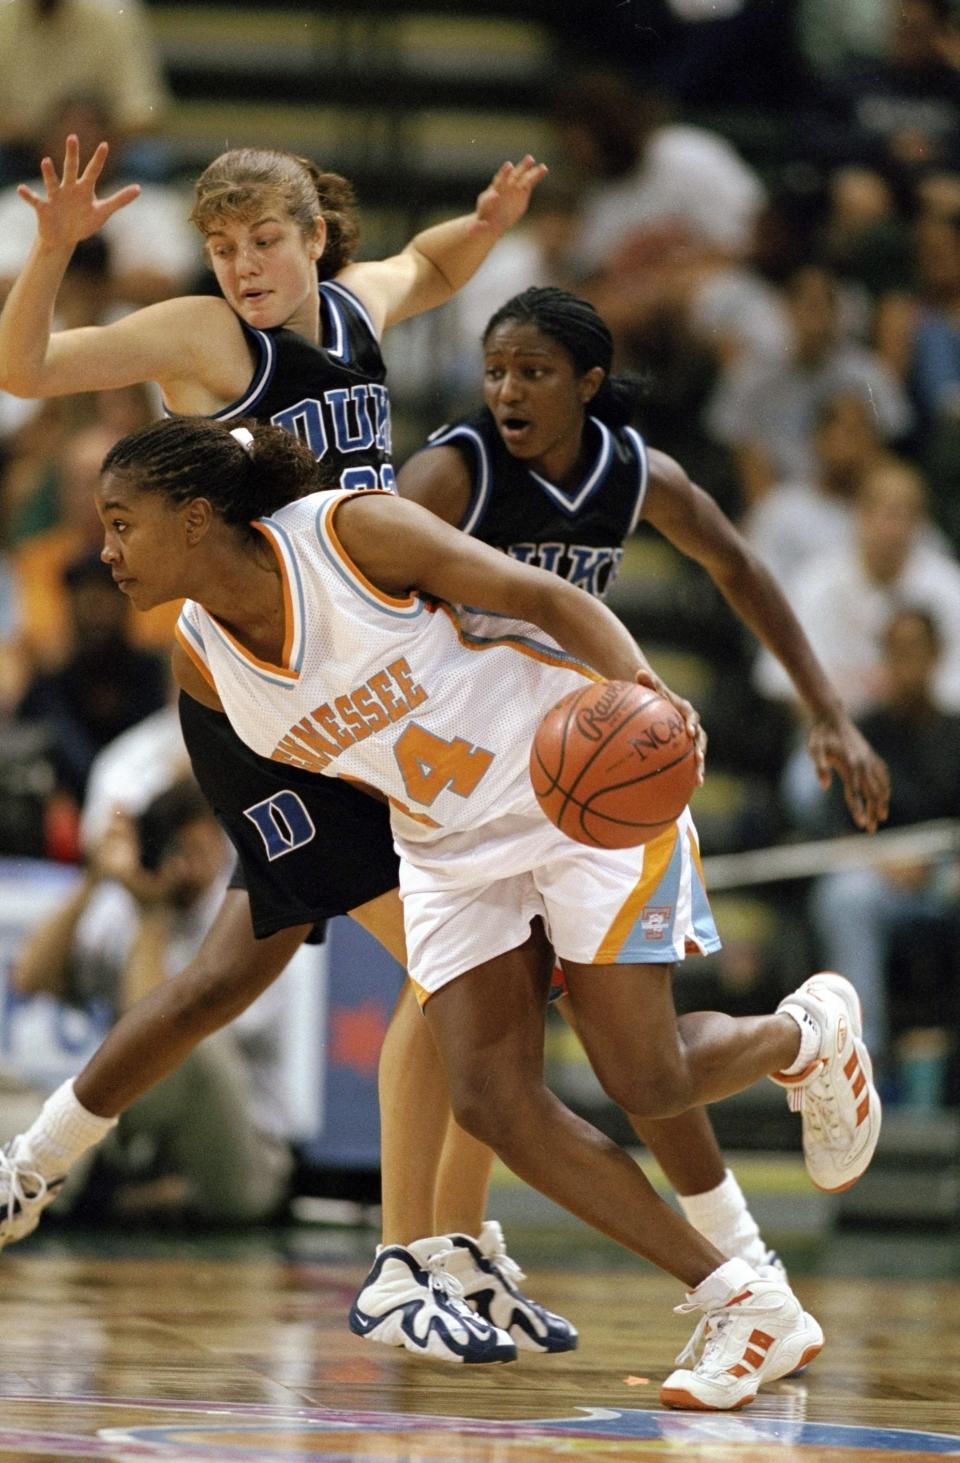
(492, 642)
(293, 570)
(284, 682)
(405, 612)
(643, 462)
(480, 490)
(355, 301)
(341, 348)
(187, 625)
(704, 928)
(262, 377)
(572, 504)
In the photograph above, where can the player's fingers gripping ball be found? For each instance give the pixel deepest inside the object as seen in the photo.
(612, 765)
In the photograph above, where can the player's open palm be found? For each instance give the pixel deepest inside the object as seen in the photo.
(71, 210)
(505, 199)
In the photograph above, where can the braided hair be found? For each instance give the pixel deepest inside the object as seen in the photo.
(246, 471)
(574, 324)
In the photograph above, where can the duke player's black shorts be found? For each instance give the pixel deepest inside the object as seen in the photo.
(309, 847)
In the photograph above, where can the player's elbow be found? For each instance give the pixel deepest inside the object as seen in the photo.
(15, 381)
(18, 376)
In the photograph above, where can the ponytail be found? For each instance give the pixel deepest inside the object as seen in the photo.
(246, 471)
(617, 402)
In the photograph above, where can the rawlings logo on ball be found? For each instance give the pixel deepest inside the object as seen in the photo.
(592, 721)
(613, 765)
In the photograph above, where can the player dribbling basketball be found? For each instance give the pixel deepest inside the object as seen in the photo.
(311, 626)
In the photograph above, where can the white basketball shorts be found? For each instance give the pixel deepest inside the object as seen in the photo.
(635, 906)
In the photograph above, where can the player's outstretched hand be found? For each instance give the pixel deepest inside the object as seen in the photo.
(71, 210)
(506, 197)
(691, 717)
(836, 745)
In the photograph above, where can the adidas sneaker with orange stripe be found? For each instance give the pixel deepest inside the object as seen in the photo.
(751, 1331)
(835, 1095)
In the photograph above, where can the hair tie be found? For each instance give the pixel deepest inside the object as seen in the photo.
(244, 437)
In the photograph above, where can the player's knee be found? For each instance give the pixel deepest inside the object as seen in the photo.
(660, 1093)
(209, 994)
(481, 1107)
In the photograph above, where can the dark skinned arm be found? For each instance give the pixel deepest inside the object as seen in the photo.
(401, 548)
(437, 478)
(694, 524)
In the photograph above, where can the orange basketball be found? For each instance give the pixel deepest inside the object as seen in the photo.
(612, 764)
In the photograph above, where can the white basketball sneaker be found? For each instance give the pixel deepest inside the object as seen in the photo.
(835, 1095)
(411, 1299)
(758, 1334)
(491, 1280)
(24, 1193)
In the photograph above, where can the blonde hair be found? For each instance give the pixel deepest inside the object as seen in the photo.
(237, 184)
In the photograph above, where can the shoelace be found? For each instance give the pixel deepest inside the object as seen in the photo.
(447, 1284)
(503, 1261)
(16, 1178)
(709, 1333)
(820, 1107)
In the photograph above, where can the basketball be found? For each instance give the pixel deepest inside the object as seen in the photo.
(612, 764)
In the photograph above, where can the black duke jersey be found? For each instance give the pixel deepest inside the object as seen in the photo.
(331, 396)
(309, 847)
(577, 532)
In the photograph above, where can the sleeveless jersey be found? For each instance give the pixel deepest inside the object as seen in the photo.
(432, 706)
(331, 396)
(576, 533)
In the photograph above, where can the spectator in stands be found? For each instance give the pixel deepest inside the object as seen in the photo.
(703, 52)
(153, 252)
(864, 238)
(64, 483)
(857, 913)
(765, 410)
(898, 113)
(210, 1140)
(792, 524)
(132, 770)
(919, 336)
(32, 432)
(647, 180)
(103, 685)
(847, 596)
(829, 34)
(53, 50)
(919, 333)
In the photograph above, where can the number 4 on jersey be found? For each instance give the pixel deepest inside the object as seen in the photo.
(428, 764)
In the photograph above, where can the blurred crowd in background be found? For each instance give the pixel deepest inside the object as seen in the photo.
(762, 198)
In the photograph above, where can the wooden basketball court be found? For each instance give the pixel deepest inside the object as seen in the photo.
(207, 1351)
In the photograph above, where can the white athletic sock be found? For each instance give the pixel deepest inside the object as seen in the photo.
(810, 1038)
(62, 1131)
(722, 1216)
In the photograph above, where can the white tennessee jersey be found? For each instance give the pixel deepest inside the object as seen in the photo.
(433, 706)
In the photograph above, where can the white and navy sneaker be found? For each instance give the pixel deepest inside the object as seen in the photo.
(411, 1299)
(24, 1193)
(490, 1281)
(835, 1095)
